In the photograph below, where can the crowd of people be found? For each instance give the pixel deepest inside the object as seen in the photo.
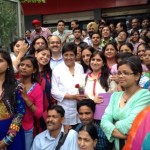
(52, 83)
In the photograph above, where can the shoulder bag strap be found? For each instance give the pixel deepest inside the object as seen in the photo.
(61, 140)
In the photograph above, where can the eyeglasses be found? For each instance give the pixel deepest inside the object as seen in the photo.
(55, 42)
(125, 73)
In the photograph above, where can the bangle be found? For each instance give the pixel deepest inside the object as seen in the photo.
(31, 105)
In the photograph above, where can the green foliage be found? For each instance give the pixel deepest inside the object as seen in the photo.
(33, 1)
(8, 22)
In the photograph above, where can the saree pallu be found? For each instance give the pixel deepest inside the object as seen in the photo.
(19, 140)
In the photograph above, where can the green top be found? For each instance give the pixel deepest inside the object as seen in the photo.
(147, 74)
(123, 117)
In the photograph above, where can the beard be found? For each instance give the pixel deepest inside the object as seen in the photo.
(90, 33)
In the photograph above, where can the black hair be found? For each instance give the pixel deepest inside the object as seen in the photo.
(97, 33)
(146, 46)
(124, 32)
(28, 30)
(69, 47)
(86, 102)
(32, 50)
(123, 25)
(9, 85)
(46, 68)
(14, 43)
(60, 21)
(123, 56)
(57, 108)
(133, 31)
(110, 43)
(35, 76)
(91, 129)
(134, 63)
(104, 70)
(78, 28)
(91, 49)
(76, 21)
(106, 26)
(127, 44)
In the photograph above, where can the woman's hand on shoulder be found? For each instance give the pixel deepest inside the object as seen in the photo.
(98, 99)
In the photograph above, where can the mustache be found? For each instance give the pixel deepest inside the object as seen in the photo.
(50, 122)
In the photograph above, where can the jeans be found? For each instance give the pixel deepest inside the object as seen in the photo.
(28, 138)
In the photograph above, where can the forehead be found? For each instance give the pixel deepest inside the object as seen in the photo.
(84, 134)
(53, 112)
(54, 38)
(124, 46)
(26, 61)
(40, 40)
(69, 52)
(105, 28)
(84, 109)
(86, 51)
(122, 33)
(134, 20)
(96, 35)
(73, 22)
(45, 51)
(61, 23)
(124, 67)
(147, 51)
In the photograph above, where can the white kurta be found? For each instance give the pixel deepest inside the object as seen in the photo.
(63, 82)
(89, 86)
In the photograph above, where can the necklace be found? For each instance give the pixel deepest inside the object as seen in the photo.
(126, 99)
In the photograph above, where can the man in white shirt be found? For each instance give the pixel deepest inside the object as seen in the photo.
(61, 32)
(50, 138)
(54, 44)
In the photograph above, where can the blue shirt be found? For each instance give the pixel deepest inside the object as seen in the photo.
(44, 141)
(54, 62)
(102, 142)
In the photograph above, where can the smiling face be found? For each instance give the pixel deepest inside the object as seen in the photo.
(126, 76)
(43, 57)
(3, 65)
(54, 121)
(141, 51)
(17, 47)
(86, 115)
(106, 32)
(85, 141)
(96, 63)
(146, 57)
(69, 58)
(125, 48)
(86, 54)
(110, 51)
(54, 44)
(60, 26)
(135, 37)
(96, 39)
(39, 43)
